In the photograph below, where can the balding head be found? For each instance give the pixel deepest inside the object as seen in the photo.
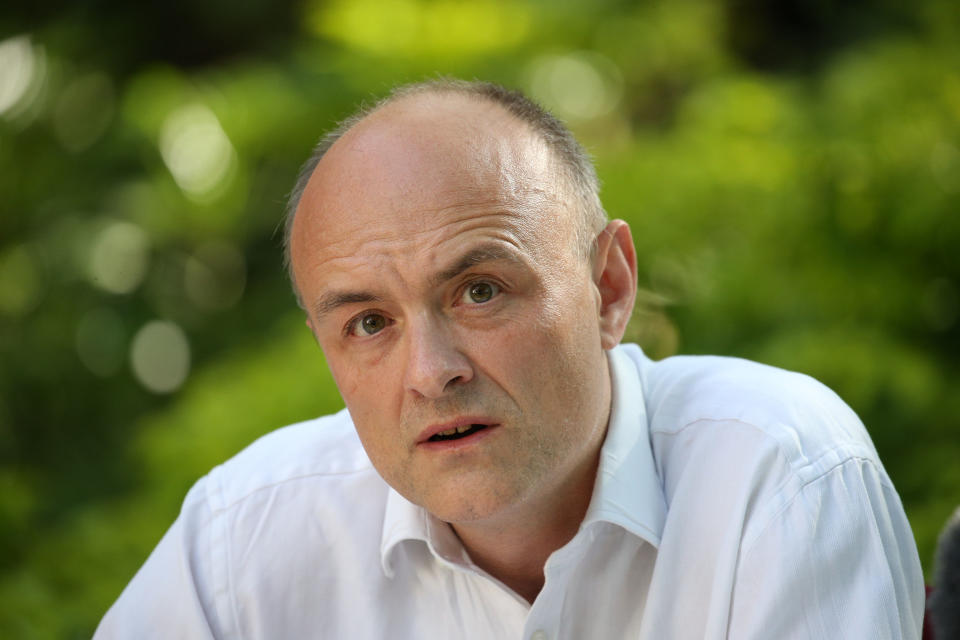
(436, 251)
(575, 179)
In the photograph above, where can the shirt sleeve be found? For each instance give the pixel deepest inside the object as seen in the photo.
(838, 561)
(172, 595)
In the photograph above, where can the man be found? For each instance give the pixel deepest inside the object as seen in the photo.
(503, 469)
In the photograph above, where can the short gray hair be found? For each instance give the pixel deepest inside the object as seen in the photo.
(575, 165)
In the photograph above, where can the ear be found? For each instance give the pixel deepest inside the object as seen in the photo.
(615, 276)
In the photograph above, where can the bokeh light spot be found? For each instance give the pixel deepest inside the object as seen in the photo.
(197, 151)
(22, 69)
(101, 341)
(579, 86)
(119, 258)
(160, 356)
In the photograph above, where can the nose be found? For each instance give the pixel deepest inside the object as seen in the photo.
(434, 362)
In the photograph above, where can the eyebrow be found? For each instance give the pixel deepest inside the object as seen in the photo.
(480, 255)
(332, 300)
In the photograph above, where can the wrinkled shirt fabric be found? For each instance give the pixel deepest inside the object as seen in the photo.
(733, 500)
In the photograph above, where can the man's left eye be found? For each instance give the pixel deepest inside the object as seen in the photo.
(479, 292)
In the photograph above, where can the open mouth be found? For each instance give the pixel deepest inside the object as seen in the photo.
(457, 432)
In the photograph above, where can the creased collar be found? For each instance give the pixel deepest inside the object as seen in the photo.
(627, 491)
(403, 520)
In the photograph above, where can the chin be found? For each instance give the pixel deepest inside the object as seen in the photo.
(458, 510)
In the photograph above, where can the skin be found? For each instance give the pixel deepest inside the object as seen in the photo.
(436, 260)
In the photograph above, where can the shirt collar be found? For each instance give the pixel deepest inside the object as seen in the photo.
(404, 520)
(627, 491)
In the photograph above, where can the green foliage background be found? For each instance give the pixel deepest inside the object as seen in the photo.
(791, 171)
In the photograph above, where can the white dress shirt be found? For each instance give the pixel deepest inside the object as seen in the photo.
(733, 500)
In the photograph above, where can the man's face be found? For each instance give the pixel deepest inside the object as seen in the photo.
(436, 260)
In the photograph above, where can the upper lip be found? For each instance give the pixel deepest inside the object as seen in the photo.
(434, 429)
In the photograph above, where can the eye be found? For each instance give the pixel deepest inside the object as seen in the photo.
(479, 292)
(367, 324)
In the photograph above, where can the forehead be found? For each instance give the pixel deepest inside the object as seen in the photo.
(425, 164)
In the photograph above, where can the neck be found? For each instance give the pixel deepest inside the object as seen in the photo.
(514, 547)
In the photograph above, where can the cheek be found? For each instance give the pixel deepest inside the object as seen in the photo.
(343, 372)
(570, 318)
(362, 400)
(361, 377)
(565, 349)
(369, 392)
(378, 433)
(541, 359)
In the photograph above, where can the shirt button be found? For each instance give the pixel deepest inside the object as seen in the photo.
(539, 634)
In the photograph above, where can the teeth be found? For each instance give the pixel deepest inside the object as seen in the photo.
(455, 431)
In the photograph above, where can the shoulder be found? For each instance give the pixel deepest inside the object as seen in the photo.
(771, 482)
(684, 389)
(305, 488)
(714, 398)
(754, 435)
(283, 522)
(317, 464)
(322, 448)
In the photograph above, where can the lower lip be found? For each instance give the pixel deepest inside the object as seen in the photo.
(459, 443)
